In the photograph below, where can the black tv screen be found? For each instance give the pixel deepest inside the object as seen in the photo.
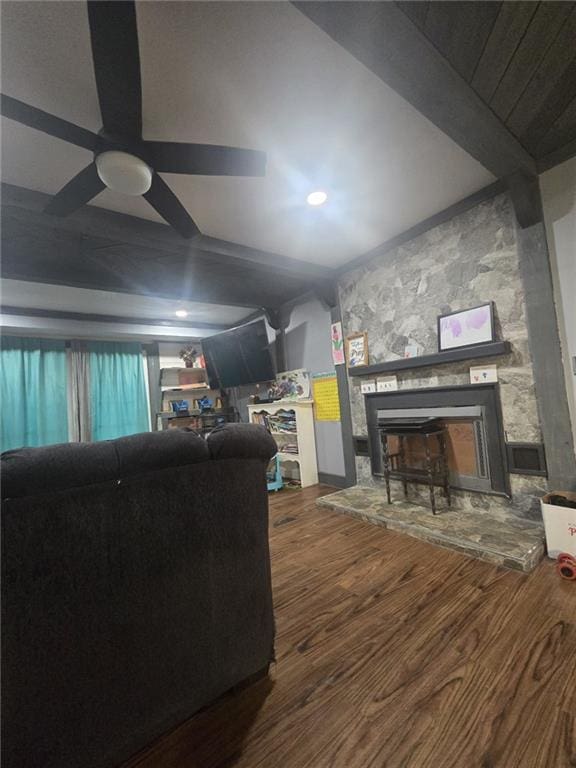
(240, 356)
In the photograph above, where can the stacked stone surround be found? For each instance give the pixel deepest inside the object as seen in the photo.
(397, 297)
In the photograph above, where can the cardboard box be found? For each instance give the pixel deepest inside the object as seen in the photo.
(194, 376)
(559, 524)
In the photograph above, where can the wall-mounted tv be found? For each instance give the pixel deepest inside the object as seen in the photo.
(240, 356)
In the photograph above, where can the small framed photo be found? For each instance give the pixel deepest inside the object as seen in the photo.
(357, 349)
(466, 328)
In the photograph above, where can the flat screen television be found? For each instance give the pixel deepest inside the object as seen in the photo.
(240, 356)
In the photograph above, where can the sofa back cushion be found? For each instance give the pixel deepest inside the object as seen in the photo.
(150, 451)
(35, 471)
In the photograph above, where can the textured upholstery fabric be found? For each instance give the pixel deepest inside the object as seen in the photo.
(128, 604)
(157, 450)
(241, 441)
(29, 471)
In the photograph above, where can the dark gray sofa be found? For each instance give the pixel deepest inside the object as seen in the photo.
(136, 589)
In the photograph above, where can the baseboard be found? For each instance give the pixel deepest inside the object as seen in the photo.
(338, 481)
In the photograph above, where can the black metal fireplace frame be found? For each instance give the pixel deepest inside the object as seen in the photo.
(484, 395)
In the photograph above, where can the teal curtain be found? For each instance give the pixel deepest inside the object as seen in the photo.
(33, 408)
(118, 399)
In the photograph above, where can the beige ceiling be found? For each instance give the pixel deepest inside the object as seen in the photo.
(257, 75)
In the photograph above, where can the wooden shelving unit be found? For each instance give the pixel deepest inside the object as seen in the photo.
(195, 388)
(301, 435)
(201, 422)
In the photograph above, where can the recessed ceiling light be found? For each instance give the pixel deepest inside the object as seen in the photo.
(317, 198)
(181, 313)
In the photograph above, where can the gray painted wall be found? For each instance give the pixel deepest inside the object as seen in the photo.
(308, 346)
(558, 187)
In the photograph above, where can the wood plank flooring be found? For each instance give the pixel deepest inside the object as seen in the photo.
(393, 653)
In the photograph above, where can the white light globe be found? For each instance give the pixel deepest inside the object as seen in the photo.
(124, 173)
(317, 198)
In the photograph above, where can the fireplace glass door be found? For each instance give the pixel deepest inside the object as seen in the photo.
(466, 449)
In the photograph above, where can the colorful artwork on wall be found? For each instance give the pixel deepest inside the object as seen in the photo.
(466, 328)
(337, 344)
(292, 385)
(357, 349)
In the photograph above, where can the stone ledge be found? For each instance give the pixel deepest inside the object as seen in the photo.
(490, 349)
(507, 540)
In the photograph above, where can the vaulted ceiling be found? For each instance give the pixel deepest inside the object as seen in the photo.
(397, 109)
(498, 77)
(254, 75)
(519, 57)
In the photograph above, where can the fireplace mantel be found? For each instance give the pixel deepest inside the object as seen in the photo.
(490, 349)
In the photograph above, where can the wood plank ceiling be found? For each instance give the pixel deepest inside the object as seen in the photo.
(519, 57)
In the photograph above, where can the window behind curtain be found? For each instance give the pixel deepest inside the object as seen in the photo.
(33, 409)
(118, 400)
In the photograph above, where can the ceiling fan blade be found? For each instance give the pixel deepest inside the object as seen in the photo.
(116, 56)
(83, 187)
(204, 159)
(43, 121)
(163, 200)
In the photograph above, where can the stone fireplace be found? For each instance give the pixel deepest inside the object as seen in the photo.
(472, 418)
(396, 298)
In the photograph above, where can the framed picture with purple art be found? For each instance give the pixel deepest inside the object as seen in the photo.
(466, 328)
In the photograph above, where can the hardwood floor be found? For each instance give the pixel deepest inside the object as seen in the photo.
(394, 653)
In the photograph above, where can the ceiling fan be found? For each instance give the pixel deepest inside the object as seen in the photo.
(123, 161)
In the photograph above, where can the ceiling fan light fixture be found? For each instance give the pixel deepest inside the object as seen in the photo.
(318, 197)
(124, 173)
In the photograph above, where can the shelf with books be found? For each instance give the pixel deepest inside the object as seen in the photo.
(292, 425)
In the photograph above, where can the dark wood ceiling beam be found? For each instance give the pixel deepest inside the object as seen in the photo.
(386, 41)
(264, 259)
(37, 247)
(96, 318)
(91, 220)
(525, 195)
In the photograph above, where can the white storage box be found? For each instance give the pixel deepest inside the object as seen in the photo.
(560, 525)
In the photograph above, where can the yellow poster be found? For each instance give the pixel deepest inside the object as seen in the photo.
(325, 393)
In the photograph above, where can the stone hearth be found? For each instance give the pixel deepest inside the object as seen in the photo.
(496, 536)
